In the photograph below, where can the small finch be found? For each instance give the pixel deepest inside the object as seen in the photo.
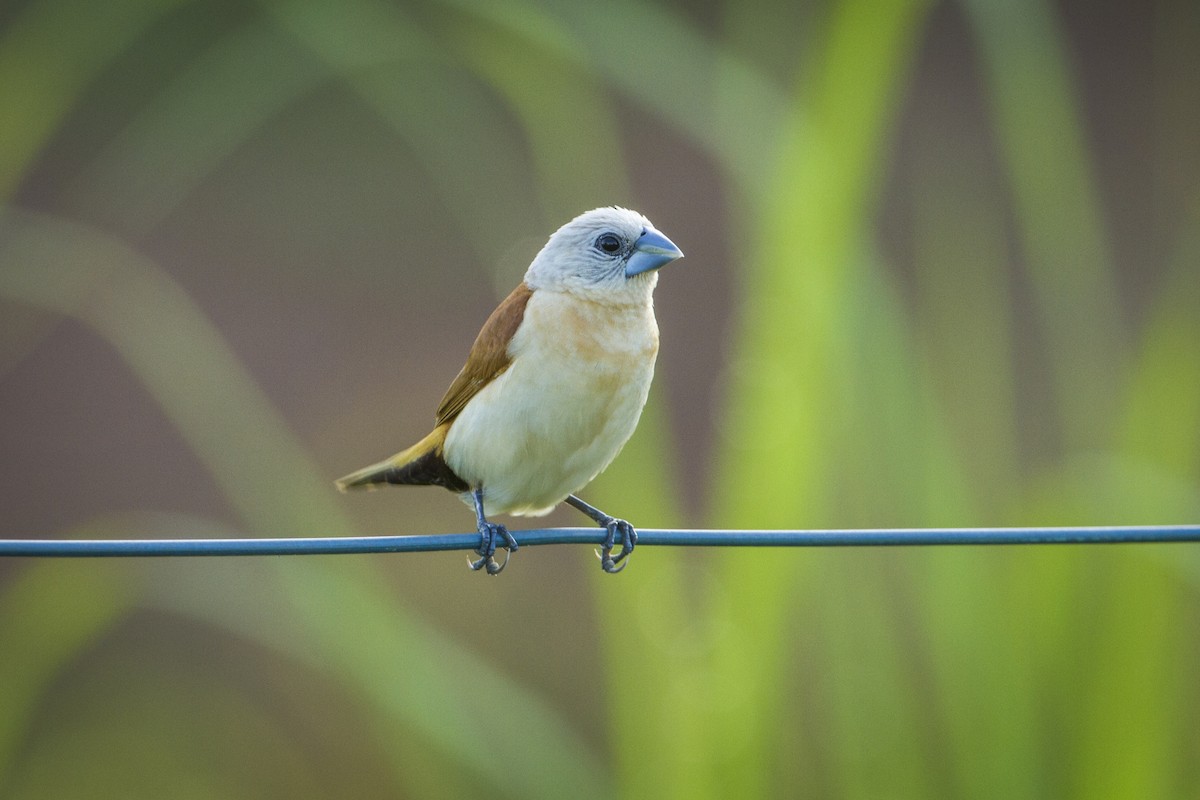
(553, 386)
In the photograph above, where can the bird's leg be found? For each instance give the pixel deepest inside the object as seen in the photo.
(615, 527)
(488, 533)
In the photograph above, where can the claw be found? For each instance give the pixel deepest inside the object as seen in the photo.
(609, 564)
(488, 533)
(493, 567)
(628, 541)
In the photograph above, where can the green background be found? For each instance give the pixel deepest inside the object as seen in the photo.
(943, 269)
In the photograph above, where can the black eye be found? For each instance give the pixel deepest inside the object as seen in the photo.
(608, 242)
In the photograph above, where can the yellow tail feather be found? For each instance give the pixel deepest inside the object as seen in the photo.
(420, 464)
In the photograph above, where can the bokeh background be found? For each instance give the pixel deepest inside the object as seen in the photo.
(943, 268)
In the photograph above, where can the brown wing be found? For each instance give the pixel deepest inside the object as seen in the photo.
(489, 355)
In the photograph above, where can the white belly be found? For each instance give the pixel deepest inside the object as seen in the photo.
(562, 410)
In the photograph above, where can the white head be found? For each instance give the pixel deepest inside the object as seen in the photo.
(606, 253)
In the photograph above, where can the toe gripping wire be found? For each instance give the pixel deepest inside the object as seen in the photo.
(615, 529)
(493, 535)
(489, 534)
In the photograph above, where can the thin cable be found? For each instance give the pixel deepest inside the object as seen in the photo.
(908, 537)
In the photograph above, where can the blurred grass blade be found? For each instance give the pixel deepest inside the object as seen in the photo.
(413, 678)
(565, 114)
(700, 88)
(874, 717)
(49, 52)
(1126, 745)
(49, 613)
(985, 705)
(183, 361)
(1162, 415)
(378, 50)
(787, 383)
(964, 307)
(1037, 117)
(458, 130)
(654, 642)
(229, 92)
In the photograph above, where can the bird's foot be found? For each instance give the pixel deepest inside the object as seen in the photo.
(616, 529)
(489, 534)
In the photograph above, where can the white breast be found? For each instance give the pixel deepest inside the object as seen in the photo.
(563, 409)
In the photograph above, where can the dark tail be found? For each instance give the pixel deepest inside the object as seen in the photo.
(420, 465)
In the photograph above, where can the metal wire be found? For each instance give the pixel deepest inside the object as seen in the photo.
(88, 548)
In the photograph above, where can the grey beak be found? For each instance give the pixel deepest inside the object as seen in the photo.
(651, 251)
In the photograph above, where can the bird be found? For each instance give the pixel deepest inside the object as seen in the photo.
(552, 388)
